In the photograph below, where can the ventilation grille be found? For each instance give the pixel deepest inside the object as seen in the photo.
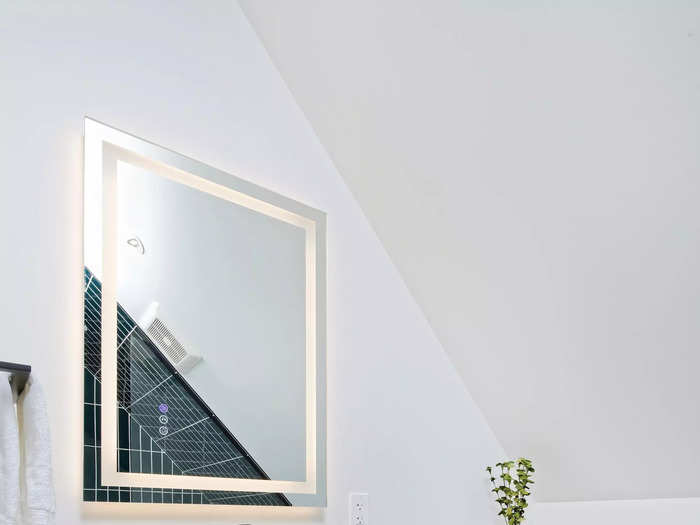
(171, 347)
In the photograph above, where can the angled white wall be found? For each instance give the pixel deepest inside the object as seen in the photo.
(532, 169)
(192, 76)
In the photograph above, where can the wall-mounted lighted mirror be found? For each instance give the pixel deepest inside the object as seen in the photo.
(204, 333)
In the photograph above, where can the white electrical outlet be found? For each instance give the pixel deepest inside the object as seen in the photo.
(359, 508)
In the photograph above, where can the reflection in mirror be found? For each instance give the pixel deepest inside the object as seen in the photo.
(216, 373)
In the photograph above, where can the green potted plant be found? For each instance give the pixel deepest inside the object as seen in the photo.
(512, 488)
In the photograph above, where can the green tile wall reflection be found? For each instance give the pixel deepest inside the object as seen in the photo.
(203, 445)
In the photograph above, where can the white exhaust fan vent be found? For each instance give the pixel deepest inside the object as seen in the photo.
(167, 343)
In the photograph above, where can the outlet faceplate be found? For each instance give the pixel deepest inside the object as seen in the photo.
(359, 508)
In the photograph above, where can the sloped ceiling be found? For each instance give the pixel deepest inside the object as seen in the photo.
(535, 175)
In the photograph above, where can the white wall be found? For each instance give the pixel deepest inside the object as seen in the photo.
(637, 512)
(193, 77)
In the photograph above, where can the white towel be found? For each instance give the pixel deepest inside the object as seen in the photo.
(36, 484)
(9, 456)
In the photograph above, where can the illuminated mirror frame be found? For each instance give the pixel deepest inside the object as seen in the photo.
(105, 147)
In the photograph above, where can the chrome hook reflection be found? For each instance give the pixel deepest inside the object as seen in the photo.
(136, 242)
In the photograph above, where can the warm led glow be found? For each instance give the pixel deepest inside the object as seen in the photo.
(105, 148)
(200, 513)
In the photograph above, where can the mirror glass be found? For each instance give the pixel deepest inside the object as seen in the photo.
(209, 294)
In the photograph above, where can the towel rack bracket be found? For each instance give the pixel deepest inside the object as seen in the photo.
(19, 374)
